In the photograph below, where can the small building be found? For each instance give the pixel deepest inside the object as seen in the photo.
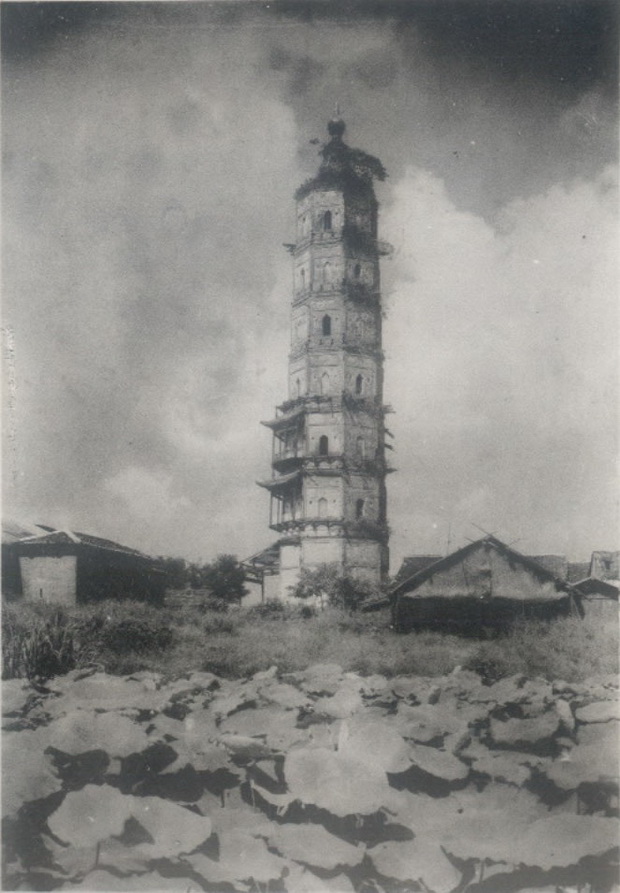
(486, 584)
(600, 585)
(65, 567)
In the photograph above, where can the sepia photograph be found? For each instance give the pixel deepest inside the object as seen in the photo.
(310, 500)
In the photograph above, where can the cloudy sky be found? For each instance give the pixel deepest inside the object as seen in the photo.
(151, 152)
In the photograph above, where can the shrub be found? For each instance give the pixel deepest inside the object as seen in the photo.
(271, 609)
(217, 605)
(35, 647)
(219, 624)
(134, 635)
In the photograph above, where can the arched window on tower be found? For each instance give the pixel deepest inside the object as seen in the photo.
(359, 384)
(298, 388)
(359, 509)
(323, 445)
(327, 221)
(360, 447)
(326, 325)
(322, 507)
(357, 270)
(302, 273)
(324, 384)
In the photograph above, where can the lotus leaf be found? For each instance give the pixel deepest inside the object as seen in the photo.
(605, 734)
(15, 696)
(151, 881)
(438, 763)
(490, 834)
(83, 730)
(275, 725)
(563, 839)
(247, 748)
(341, 705)
(515, 732)
(284, 695)
(248, 820)
(599, 711)
(211, 758)
(421, 859)
(241, 858)
(585, 763)
(105, 692)
(300, 880)
(86, 817)
(173, 828)
(504, 766)
(426, 722)
(336, 782)
(27, 773)
(226, 703)
(313, 845)
(375, 744)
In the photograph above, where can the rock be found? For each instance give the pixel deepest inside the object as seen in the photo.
(524, 732)
(599, 711)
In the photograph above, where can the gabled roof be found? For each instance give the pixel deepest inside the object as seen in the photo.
(412, 583)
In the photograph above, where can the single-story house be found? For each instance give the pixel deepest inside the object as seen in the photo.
(600, 585)
(485, 584)
(69, 568)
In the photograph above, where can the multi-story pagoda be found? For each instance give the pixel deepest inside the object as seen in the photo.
(328, 494)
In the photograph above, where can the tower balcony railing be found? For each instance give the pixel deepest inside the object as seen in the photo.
(315, 236)
(350, 343)
(328, 403)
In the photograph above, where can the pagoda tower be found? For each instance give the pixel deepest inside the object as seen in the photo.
(328, 494)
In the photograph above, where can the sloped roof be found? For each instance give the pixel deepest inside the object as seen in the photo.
(577, 570)
(557, 564)
(416, 580)
(13, 531)
(413, 564)
(69, 537)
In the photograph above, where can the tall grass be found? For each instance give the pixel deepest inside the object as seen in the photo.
(122, 637)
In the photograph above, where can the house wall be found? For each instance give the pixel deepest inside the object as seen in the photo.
(485, 574)
(49, 578)
(601, 607)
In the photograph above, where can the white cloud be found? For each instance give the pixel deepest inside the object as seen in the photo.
(502, 363)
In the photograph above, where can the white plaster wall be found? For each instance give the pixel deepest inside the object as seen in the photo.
(49, 579)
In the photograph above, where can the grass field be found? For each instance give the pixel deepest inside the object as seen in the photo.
(41, 641)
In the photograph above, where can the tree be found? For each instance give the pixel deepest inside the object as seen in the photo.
(329, 587)
(176, 570)
(225, 577)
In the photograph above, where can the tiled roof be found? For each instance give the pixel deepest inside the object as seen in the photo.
(557, 564)
(69, 537)
(414, 564)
